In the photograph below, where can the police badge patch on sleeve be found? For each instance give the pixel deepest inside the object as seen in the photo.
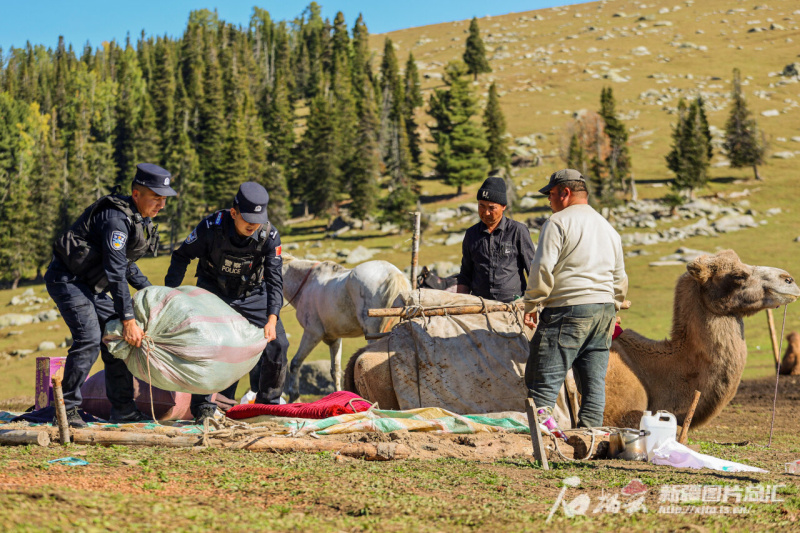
(192, 237)
(118, 239)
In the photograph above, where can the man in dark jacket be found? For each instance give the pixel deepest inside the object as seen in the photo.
(496, 253)
(93, 262)
(240, 261)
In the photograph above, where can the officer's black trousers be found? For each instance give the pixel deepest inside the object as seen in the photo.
(269, 375)
(86, 315)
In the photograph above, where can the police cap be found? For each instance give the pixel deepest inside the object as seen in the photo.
(251, 202)
(154, 178)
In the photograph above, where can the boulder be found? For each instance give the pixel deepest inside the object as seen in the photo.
(528, 202)
(730, 223)
(360, 254)
(454, 238)
(783, 155)
(46, 346)
(48, 316)
(315, 378)
(15, 319)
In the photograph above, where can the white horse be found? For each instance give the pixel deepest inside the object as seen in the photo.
(332, 302)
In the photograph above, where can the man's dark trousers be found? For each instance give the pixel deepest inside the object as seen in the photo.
(269, 375)
(86, 315)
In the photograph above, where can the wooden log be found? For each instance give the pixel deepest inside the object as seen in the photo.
(536, 435)
(382, 451)
(129, 438)
(774, 339)
(415, 250)
(440, 311)
(11, 437)
(61, 410)
(688, 420)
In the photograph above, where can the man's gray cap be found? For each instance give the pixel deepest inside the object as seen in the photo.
(251, 202)
(562, 176)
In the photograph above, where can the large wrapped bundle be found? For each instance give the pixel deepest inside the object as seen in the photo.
(468, 364)
(195, 342)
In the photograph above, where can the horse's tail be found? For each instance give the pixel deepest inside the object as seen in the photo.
(395, 284)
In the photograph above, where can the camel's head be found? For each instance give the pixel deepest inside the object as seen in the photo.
(730, 287)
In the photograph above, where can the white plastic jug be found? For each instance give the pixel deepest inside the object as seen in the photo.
(662, 427)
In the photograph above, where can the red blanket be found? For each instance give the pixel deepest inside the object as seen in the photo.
(338, 403)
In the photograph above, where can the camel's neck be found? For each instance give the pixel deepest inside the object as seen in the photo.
(706, 352)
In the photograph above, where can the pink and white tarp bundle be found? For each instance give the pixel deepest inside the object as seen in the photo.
(194, 341)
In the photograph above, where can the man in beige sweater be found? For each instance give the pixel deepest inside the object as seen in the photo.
(578, 281)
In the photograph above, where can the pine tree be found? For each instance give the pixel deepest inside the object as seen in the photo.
(162, 91)
(688, 158)
(460, 157)
(212, 128)
(364, 169)
(618, 161)
(360, 67)
(704, 128)
(130, 103)
(413, 99)
(744, 144)
(475, 54)
(575, 158)
(318, 174)
(184, 165)
(494, 122)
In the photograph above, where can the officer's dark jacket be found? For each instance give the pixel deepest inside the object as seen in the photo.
(495, 265)
(232, 266)
(101, 247)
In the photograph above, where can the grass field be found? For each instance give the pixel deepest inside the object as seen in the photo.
(544, 67)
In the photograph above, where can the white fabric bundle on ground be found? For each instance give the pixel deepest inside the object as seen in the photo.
(199, 344)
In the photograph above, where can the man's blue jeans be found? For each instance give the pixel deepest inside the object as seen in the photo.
(577, 337)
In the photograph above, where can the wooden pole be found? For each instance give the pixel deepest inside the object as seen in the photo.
(688, 420)
(774, 339)
(61, 410)
(442, 311)
(536, 434)
(415, 250)
(382, 451)
(10, 437)
(129, 438)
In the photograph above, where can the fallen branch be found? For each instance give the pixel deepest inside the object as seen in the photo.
(382, 451)
(12, 437)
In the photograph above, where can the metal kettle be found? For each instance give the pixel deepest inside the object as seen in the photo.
(628, 444)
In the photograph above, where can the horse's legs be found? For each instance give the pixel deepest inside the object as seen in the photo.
(307, 343)
(336, 364)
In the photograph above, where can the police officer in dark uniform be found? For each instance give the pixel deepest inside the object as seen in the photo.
(497, 252)
(240, 261)
(93, 262)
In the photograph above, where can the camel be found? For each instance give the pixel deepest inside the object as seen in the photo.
(706, 351)
(789, 364)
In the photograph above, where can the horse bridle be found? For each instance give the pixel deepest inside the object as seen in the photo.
(302, 284)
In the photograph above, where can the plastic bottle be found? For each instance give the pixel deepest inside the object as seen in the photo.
(546, 419)
(662, 427)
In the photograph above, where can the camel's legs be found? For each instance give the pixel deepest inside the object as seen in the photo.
(307, 343)
(336, 364)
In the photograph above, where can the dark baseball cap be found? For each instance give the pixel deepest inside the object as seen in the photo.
(562, 176)
(251, 202)
(154, 178)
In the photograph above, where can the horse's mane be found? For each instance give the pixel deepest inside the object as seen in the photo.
(336, 267)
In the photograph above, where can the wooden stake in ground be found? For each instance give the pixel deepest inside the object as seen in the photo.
(61, 410)
(775, 349)
(536, 434)
(688, 420)
(415, 250)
